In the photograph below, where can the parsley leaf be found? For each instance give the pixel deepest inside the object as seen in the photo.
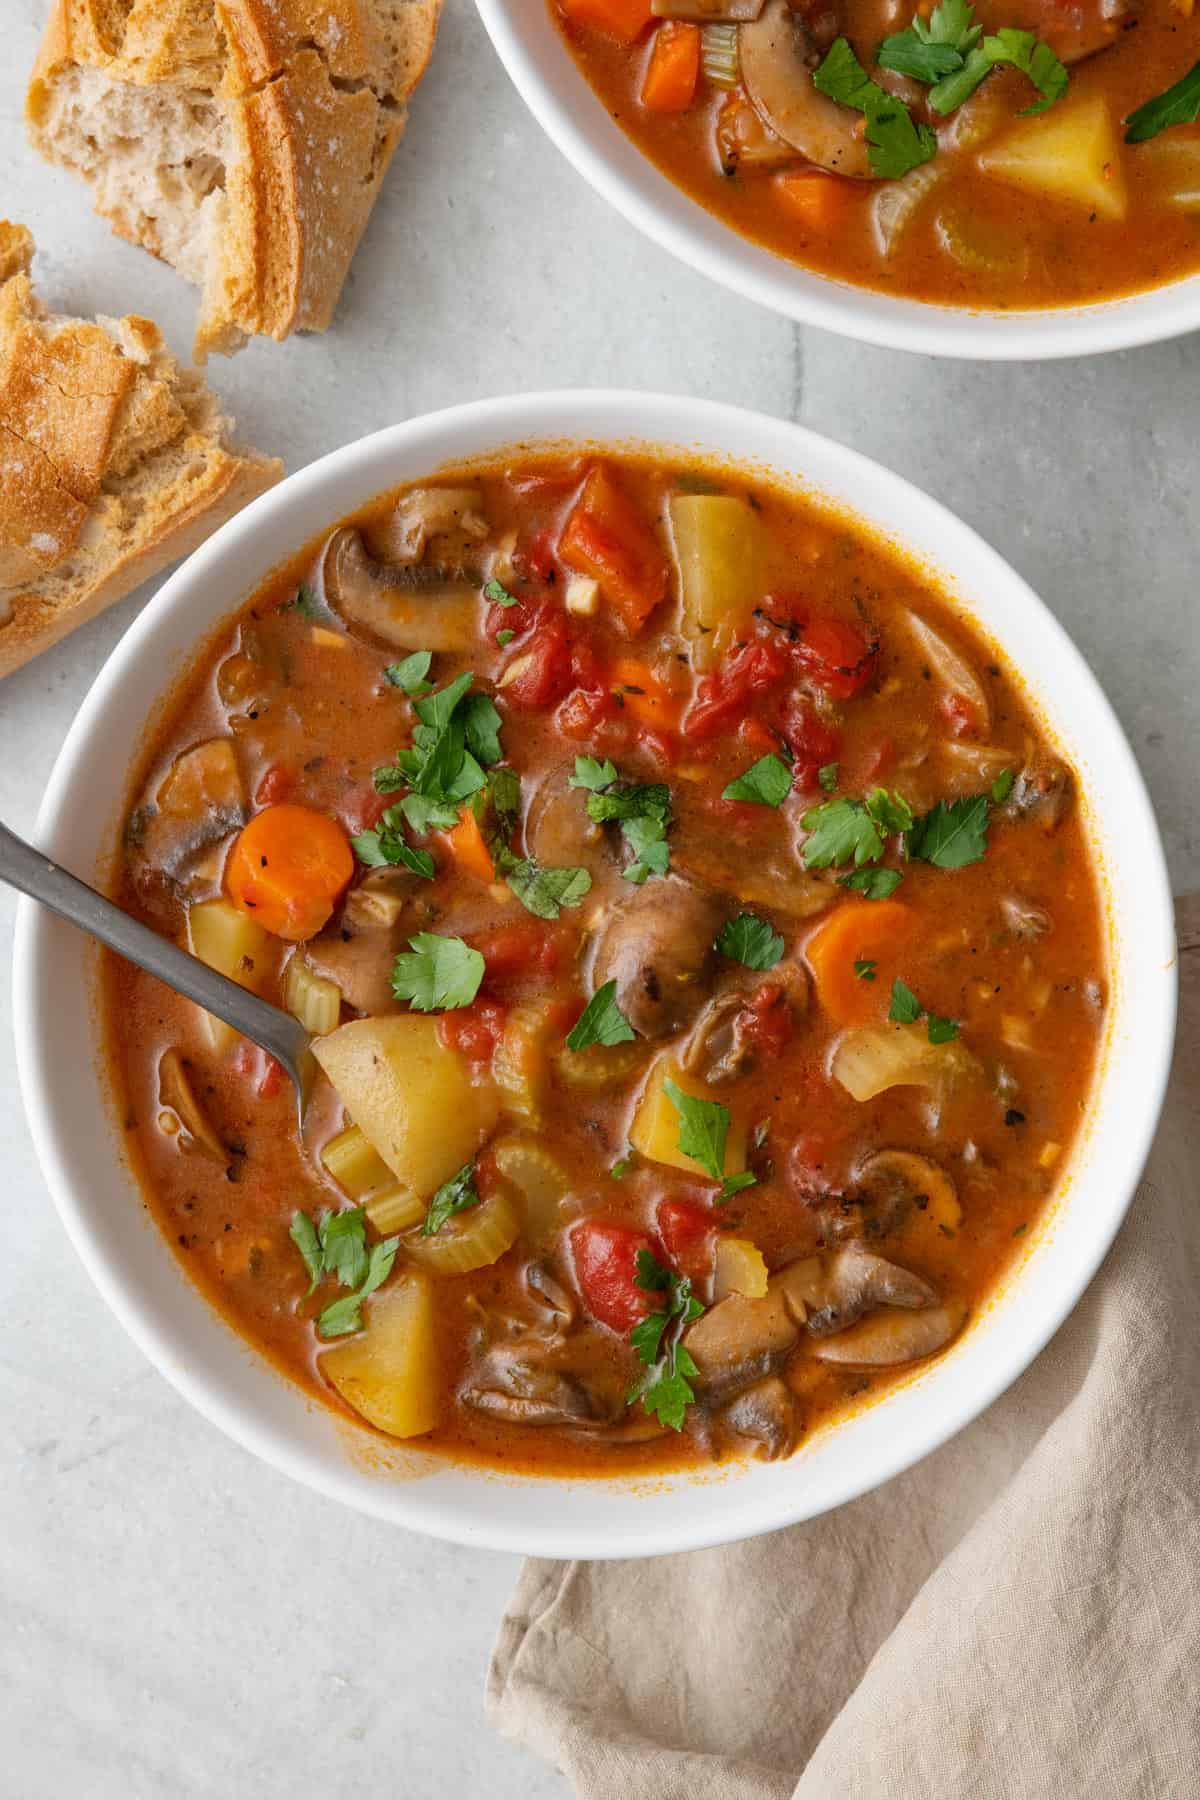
(1002, 787)
(601, 1021)
(498, 594)
(344, 1245)
(647, 838)
(950, 835)
(439, 972)
(336, 1245)
(424, 814)
(630, 800)
(828, 776)
(842, 831)
(874, 884)
(1176, 105)
(643, 810)
(895, 144)
(544, 892)
(303, 1234)
(941, 1030)
(905, 1007)
(768, 782)
(385, 847)
(481, 725)
(504, 792)
(1020, 49)
(665, 1389)
(454, 1196)
(410, 674)
(751, 942)
(927, 51)
(591, 774)
(891, 812)
(865, 967)
(703, 1130)
(505, 637)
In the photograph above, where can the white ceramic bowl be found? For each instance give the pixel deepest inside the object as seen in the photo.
(74, 1129)
(546, 76)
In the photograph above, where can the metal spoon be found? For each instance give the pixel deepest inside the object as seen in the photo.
(276, 1032)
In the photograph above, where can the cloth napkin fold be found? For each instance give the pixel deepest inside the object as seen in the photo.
(1017, 1617)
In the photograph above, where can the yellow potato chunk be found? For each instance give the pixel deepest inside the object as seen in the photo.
(388, 1373)
(718, 552)
(654, 1132)
(1071, 152)
(410, 1095)
(739, 1268)
(234, 945)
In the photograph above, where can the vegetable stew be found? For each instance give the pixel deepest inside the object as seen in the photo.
(698, 934)
(1003, 154)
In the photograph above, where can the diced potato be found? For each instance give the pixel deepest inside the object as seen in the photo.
(234, 945)
(1071, 152)
(357, 1168)
(739, 1268)
(719, 554)
(411, 1096)
(655, 1128)
(388, 1373)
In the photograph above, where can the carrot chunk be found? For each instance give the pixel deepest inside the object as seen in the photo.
(817, 201)
(624, 20)
(855, 954)
(643, 696)
(467, 844)
(669, 84)
(288, 868)
(609, 538)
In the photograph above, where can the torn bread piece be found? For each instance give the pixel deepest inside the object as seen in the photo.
(114, 461)
(242, 141)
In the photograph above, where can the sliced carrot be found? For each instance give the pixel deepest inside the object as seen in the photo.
(608, 537)
(624, 20)
(874, 933)
(467, 844)
(669, 84)
(288, 868)
(818, 201)
(642, 695)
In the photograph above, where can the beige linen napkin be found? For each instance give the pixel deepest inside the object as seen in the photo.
(1017, 1617)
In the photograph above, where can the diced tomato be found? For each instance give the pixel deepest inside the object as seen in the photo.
(756, 738)
(540, 672)
(605, 1265)
(545, 483)
(522, 947)
(272, 1079)
(608, 537)
(687, 1232)
(474, 1031)
(810, 1169)
(256, 1066)
(535, 558)
(516, 618)
(725, 696)
(584, 711)
(813, 742)
(960, 716)
(767, 1020)
(837, 656)
(275, 785)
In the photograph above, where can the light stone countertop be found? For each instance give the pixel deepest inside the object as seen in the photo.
(178, 1619)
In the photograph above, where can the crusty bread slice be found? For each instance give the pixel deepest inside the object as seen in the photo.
(243, 141)
(113, 461)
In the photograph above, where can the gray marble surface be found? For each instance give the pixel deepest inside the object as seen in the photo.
(178, 1620)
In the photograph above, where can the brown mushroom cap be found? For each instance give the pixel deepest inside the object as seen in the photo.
(777, 56)
(405, 606)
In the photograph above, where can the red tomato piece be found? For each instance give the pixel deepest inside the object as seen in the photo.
(474, 1031)
(725, 696)
(605, 1265)
(535, 559)
(583, 712)
(272, 1079)
(520, 948)
(608, 537)
(767, 1019)
(275, 785)
(517, 619)
(812, 742)
(837, 656)
(540, 672)
(687, 1232)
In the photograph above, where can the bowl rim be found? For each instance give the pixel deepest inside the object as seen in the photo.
(648, 419)
(590, 140)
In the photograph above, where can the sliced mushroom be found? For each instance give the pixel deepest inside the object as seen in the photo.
(183, 1115)
(891, 1337)
(707, 12)
(558, 831)
(381, 898)
(1072, 32)
(854, 1282)
(895, 1184)
(766, 1413)
(658, 948)
(425, 513)
(723, 1044)
(743, 141)
(800, 1285)
(1023, 918)
(516, 1383)
(1042, 792)
(777, 55)
(549, 1291)
(360, 962)
(740, 1341)
(200, 800)
(406, 606)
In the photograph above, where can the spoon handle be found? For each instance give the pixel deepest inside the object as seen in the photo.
(27, 870)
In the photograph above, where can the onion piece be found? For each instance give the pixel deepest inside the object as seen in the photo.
(952, 670)
(897, 204)
(871, 1058)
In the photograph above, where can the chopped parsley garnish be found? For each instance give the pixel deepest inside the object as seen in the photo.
(454, 1196)
(336, 1245)
(751, 942)
(542, 891)
(504, 794)
(768, 782)
(703, 1130)
(948, 56)
(841, 831)
(1176, 105)
(950, 835)
(498, 594)
(621, 1168)
(505, 636)
(410, 675)
(894, 143)
(1002, 787)
(891, 812)
(601, 1021)
(437, 972)
(385, 846)
(865, 967)
(873, 884)
(665, 1388)
(906, 1009)
(642, 809)
(827, 776)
